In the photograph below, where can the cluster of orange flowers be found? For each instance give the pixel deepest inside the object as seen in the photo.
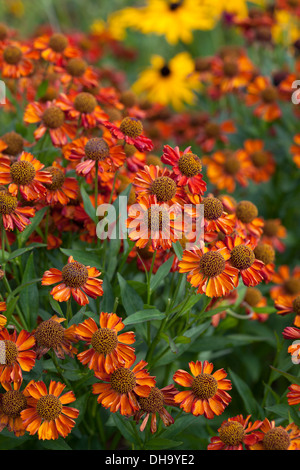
(107, 138)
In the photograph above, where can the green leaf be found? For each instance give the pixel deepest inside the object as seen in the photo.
(160, 443)
(29, 296)
(143, 316)
(55, 305)
(131, 301)
(21, 251)
(124, 427)
(161, 273)
(178, 249)
(35, 222)
(291, 378)
(58, 444)
(87, 204)
(85, 257)
(250, 403)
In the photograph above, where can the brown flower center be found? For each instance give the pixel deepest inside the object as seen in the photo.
(49, 334)
(296, 305)
(242, 257)
(213, 208)
(22, 172)
(14, 143)
(232, 164)
(58, 178)
(204, 386)
(264, 253)
(253, 296)
(259, 159)
(154, 402)
(270, 228)
(13, 402)
(85, 102)
(292, 285)
(212, 264)
(230, 68)
(49, 407)
(8, 203)
(132, 127)
(53, 117)
(76, 67)
(122, 380)
(96, 149)
(276, 439)
(212, 130)
(3, 32)
(269, 94)
(8, 352)
(189, 164)
(12, 55)
(246, 211)
(104, 341)
(74, 274)
(164, 188)
(156, 218)
(58, 42)
(232, 433)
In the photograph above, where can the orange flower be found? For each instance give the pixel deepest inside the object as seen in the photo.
(209, 270)
(263, 164)
(288, 282)
(242, 257)
(52, 119)
(262, 94)
(82, 107)
(50, 334)
(47, 413)
(13, 214)
(293, 395)
(123, 387)
(62, 188)
(231, 73)
(16, 59)
(272, 437)
(212, 133)
(157, 181)
(109, 349)
(148, 221)
(75, 279)
(234, 433)
(25, 175)
(215, 218)
(247, 222)
(131, 132)
(87, 152)
(12, 402)
(155, 403)
(77, 72)
(295, 150)
(273, 232)
(226, 168)
(290, 332)
(186, 168)
(15, 355)
(55, 48)
(286, 305)
(207, 393)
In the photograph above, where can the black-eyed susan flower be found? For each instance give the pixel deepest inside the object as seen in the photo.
(76, 280)
(207, 392)
(186, 168)
(121, 389)
(155, 404)
(26, 175)
(109, 349)
(47, 413)
(12, 213)
(209, 271)
(274, 437)
(236, 433)
(172, 83)
(16, 353)
(51, 335)
(12, 402)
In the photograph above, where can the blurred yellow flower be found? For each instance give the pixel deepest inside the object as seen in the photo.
(169, 83)
(237, 7)
(286, 28)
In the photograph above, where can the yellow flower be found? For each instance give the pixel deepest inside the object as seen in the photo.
(286, 28)
(169, 83)
(237, 7)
